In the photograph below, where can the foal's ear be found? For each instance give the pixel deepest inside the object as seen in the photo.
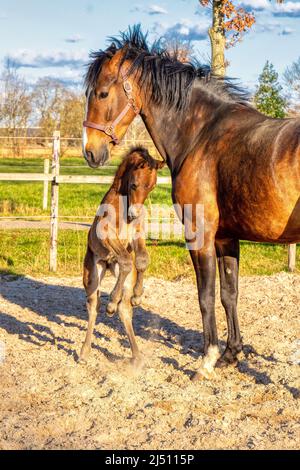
(159, 164)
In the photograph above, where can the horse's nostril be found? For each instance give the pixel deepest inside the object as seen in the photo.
(90, 156)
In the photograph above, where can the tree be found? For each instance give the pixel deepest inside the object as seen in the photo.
(229, 23)
(15, 103)
(268, 97)
(292, 80)
(47, 98)
(71, 112)
(184, 49)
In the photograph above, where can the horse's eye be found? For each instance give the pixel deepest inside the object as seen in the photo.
(133, 187)
(103, 95)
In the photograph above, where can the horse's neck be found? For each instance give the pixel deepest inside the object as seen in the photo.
(175, 133)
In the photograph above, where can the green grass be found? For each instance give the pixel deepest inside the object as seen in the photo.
(26, 252)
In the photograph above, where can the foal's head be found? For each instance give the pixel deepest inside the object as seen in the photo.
(136, 178)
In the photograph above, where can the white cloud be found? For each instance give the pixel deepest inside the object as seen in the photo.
(286, 31)
(185, 30)
(290, 9)
(31, 59)
(255, 4)
(267, 27)
(152, 10)
(156, 10)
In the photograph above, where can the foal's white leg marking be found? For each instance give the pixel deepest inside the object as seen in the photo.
(209, 362)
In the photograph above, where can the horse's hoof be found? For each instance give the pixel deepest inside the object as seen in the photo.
(136, 301)
(111, 309)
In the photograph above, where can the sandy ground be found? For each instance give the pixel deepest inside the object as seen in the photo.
(48, 401)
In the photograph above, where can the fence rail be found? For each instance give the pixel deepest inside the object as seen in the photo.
(55, 179)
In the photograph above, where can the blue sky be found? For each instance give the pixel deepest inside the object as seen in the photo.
(53, 38)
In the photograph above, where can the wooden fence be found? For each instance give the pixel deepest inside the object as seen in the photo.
(55, 179)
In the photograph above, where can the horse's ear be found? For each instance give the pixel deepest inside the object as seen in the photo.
(111, 50)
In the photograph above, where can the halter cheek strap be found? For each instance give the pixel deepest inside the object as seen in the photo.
(109, 128)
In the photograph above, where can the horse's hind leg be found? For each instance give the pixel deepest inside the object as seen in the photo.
(125, 311)
(92, 276)
(228, 261)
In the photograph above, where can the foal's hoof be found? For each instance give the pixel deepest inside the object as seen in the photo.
(136, 301)
(83, 358)
(111, 309)
(135, 363)
(224, 361)
(203, 374)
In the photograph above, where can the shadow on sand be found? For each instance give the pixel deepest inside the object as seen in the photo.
(56, 302)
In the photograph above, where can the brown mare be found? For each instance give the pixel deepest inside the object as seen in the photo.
(242, 166)
(116, 242)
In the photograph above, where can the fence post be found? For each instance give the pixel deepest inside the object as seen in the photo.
(46, 183)
(292, 257)
(54, 202)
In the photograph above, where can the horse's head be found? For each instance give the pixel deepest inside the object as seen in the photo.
(112, 104)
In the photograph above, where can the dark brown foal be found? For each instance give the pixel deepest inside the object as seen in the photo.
(116, 242)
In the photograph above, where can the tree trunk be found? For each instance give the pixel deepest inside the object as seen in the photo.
(218, 40)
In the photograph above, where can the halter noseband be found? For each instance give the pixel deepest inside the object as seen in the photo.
(109, 128)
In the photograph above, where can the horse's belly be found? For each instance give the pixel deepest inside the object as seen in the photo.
(281, 226)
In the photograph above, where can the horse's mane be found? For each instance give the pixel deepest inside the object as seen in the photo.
(167, 79)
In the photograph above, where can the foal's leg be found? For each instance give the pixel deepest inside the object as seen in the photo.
(228, 260)
(125, 311)
(125, 264)
(141, 264)
(93, 274)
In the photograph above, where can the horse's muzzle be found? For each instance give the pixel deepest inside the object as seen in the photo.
(97, 157)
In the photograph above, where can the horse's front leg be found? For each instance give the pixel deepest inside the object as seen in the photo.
(228, 260)
(141, 264)
(204, 261)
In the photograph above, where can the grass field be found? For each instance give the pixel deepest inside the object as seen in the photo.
(27, 252)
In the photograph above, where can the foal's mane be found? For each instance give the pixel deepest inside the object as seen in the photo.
(137, 157)
(168, 81)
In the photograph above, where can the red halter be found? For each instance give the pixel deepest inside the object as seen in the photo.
(109, 128)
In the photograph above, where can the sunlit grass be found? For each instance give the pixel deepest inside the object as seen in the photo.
(26, 252)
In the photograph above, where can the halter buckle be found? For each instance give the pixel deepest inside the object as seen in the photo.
(109, 130)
